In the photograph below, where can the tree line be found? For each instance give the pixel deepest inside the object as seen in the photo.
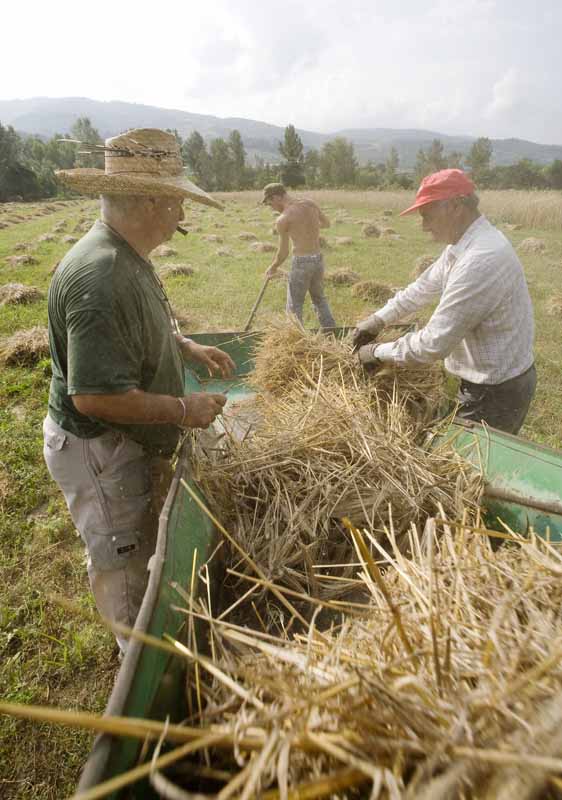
(28, 164)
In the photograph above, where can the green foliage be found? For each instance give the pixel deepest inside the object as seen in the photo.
(479, 160)
(292, 150)
(84, 132)
(431, 160)
(338, 165)
(238, 156)
(222, 165)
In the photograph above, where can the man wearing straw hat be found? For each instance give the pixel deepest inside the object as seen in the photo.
(483, 324)
(117, 405)
(300, 221)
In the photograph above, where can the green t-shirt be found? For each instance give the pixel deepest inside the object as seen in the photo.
(110, 331)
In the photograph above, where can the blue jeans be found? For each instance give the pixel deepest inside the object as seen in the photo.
(307, 275)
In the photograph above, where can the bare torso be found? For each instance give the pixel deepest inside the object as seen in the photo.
(302, 219)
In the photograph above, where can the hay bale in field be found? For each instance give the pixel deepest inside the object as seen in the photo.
(21, 247)
(3, 225)
(46, 237)
(213, 237)
(325, 244)
(342, 277)
(532, 245)
(83, 227)
(225, 252)
(18, 293)
(263, 247)
(246, 236)
(372, 291)
(21, 261)
(388, 232)
(421, 264)
(60, 227)
(554, 305)
(164, 251)
(512, 226)
(175, 270)
(344, 241)
(371, 231)
(388, 212)
(219, 225)
(68, 239)
(25, 348)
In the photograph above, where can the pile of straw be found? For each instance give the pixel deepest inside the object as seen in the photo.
(449, 686)
(25, 348)
(330, 443)
(19, 294)
(373, 291)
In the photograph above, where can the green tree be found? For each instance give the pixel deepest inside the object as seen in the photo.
(391, 167)
(338, 165)
(222, 165)
(195, 156)
(479, 160)
(455, 159)
(431, 160)
(292, 150)
(83, 131)
(238, 156)
(312, 167)
(554, 174)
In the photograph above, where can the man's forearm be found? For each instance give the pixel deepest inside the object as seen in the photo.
(132, 407)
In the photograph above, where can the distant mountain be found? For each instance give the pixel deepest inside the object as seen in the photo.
(46, 116)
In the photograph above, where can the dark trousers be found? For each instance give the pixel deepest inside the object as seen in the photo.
(503, 405)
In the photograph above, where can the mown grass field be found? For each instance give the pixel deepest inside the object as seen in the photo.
(46, 655)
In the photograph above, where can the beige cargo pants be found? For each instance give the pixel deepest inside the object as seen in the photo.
(114, 492)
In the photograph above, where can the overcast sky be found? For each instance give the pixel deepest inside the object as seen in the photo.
(479, 67)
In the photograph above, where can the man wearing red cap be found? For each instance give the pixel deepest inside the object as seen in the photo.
(483, 324)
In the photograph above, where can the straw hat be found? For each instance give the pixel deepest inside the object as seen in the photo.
(143, 161)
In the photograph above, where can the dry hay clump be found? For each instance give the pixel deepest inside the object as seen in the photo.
(371, 231)
(447, 686)
(164, 251)
(18, 293)
(331, 442)
(342, 277)
(21, 247)
(25, 348)
(263, 247)
(532, 245)
(421, 264)
(372, 291)
(69, 239)
(175, 270)
(22, 261)
(46, 237)
(344, 241)
(246, 236)
(213, 237)
(325, 244)
(554, 305)
(388, 232)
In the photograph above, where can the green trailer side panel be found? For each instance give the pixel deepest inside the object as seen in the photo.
(523, 480)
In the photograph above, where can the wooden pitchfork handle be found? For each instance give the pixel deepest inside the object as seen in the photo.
(256, 305)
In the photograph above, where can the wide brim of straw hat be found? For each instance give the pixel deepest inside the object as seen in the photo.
(95, 181)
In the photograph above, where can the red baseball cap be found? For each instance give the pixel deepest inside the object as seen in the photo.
(442, 185)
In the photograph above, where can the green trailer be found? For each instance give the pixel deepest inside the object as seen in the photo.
(523, 487)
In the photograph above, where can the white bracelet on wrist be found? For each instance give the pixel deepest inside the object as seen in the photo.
(184, 411)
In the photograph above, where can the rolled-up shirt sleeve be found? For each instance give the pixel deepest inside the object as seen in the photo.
(472, 291)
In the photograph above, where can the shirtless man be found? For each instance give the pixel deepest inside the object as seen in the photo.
(300, 221)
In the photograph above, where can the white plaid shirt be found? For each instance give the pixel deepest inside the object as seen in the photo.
(483, 326)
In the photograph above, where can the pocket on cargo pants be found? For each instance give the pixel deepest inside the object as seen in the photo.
(120, 473)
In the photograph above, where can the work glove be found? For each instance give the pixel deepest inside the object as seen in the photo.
(367, 356)
(367, 331)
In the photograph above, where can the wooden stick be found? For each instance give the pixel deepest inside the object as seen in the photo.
(256, 305)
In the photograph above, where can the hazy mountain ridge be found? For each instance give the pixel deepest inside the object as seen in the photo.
(46, 116)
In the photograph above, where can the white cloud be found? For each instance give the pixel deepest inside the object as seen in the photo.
(459, 66)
